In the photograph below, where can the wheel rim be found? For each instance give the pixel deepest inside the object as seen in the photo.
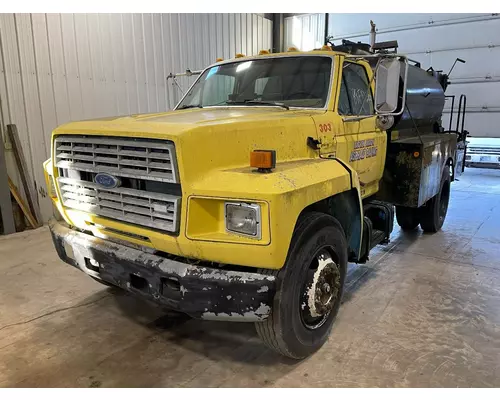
(321, 289)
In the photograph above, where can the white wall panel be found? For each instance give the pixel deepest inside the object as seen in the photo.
(437, 40)
(140, 63)
(255, 34)
(80, 32)
(168, 65)
(305, 32)
(109, 95)
(232, 37)
(14, 88)
(119, 69)
(32, 108)
(250, 37)
(159, 70)
(44, 78)
(57, 68)
(149, 62)
(72, 69)
(237, 33)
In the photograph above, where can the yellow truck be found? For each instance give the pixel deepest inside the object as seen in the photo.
(247, 201)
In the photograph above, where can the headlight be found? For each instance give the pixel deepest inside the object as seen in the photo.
(244, 219)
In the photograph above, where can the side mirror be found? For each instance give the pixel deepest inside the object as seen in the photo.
(387, 82)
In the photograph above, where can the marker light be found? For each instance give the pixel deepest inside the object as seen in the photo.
(264, 160)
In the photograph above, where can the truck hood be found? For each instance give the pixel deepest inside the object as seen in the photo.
(214, 138)
(173, 123)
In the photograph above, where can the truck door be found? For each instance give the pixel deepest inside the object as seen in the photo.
(362, 144)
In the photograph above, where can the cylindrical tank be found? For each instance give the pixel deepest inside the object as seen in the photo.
(424, 102)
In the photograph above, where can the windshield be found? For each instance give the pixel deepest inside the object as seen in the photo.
(302, 81)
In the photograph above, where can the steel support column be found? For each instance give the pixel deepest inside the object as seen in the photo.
(278, 33)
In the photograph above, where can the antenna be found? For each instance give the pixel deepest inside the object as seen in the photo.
(453, 66)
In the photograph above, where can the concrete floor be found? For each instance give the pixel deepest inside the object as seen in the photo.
(425, 311)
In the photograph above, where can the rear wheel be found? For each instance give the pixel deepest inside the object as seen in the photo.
(434, 212)
(408, 218)
(310, 288)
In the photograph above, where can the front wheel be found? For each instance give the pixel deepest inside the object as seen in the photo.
(408, 218)
(310, 288)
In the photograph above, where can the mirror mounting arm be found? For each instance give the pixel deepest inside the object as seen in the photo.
(351, 118)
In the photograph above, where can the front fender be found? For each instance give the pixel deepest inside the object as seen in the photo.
(286, 192)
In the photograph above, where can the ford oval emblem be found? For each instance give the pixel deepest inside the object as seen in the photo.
(106, 180)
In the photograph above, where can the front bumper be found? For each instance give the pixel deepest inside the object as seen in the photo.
(201, 292)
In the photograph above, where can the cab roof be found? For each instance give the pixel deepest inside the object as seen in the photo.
(297, 53)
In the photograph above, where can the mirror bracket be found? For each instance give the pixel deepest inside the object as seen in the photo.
(352, 118)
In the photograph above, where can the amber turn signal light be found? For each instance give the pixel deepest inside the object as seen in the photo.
(263, 160)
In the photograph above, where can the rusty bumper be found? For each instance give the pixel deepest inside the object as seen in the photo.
(201, 292)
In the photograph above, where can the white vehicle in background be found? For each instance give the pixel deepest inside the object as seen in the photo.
(483, 152)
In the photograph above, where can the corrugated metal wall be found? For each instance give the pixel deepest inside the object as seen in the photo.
(56, 68)
(305, 32)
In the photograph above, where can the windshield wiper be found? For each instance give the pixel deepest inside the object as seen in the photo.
(263, 102)
(190, 106)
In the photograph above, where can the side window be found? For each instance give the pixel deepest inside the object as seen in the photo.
(355, 96)
(217, 89)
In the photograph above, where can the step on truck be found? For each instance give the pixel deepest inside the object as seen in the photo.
(247, 201)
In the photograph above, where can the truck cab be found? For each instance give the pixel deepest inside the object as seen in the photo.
(247, 201)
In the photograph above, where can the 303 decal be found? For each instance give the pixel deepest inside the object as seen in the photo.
(325, 127)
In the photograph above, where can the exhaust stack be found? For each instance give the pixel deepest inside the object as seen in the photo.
(373, 35)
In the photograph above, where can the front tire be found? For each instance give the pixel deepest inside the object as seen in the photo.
(408, 218)
(309, 290)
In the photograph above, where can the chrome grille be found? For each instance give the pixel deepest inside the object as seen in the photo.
(126, 157)
(148, 194)
(154, 210)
